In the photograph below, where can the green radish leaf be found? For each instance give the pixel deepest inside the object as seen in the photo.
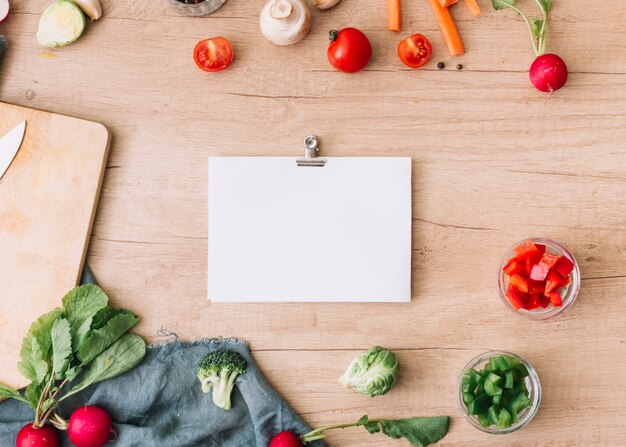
(81, 334)
(502, 4)
(420, 432)
(81, 304)
(120, 357)
(61, 346)
(537, 27)
(104, 315)
(9, 393)
(546, 4)
(100, 339)
(40, 330)
(33, 363)
(32, 393)
(72, 372)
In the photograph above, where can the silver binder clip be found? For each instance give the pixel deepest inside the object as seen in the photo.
(311, 150)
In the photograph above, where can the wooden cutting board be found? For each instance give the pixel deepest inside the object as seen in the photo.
(48, 199)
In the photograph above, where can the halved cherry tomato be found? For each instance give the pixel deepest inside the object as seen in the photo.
(415, 51)
(213, 54)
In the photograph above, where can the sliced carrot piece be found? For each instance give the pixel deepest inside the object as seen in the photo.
(394, 15)
(473, 7)
(446, 3)
(450, 33)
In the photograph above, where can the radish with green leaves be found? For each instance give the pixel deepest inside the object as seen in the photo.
(90, 426)
(548, 72)
(420, 432)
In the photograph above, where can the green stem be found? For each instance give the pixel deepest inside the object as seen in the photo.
(543, 33)
(530, 28)
(42, 399)
(53, 406)
(319, 432)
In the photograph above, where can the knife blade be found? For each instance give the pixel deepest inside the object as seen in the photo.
(9, 145)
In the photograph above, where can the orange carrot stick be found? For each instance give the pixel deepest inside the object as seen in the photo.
(446, 3)
(450, 33)
(473, 7)
(395, 17)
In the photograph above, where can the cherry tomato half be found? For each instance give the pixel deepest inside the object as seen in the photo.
(213, 54)
(415, 51)
(349, 50)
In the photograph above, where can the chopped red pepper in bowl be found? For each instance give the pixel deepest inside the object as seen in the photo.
(538, 278)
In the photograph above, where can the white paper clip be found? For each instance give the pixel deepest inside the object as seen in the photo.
(311, 149)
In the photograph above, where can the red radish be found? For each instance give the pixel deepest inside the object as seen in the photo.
(285, 439)
(46, 436)
(4, 9)
(90, 426)
(548, 73)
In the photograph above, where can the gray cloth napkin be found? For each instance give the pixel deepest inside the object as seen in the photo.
(3, 44)
(160, 403)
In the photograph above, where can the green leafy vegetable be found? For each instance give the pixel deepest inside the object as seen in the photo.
(538, 27)
(122, 356)
(61, 345)
(9, 393)
(373, 372)
(84, 337)
(82, 303)
(102, 338)
(420, 432)
(33, 363)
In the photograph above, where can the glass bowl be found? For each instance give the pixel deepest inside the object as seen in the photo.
(569, 293)
(532, 383)
(204, 8)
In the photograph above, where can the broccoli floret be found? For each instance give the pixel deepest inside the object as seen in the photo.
(218, 370)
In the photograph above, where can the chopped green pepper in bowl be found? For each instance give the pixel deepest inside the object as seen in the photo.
(499, 392)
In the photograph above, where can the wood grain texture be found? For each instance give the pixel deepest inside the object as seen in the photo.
(493, 163)
(48, 199)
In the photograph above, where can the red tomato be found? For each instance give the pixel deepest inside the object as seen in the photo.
(213, 54)
(349, 50)
(415, 51)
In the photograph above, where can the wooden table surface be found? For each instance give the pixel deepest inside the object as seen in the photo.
(493, 163)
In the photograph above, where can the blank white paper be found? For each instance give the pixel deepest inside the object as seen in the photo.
(282, 232)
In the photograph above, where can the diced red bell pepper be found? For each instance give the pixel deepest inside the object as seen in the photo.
(548, 260)
(533, 302)
(514, 268)
(564, 266)
(519, 282)
(544, 301)
(536, 287)
(515, 297)
(541, 248)
(539, 272)
(531, 262)
(526, 250)
(566, 282)
(556, 299)
(553, 282)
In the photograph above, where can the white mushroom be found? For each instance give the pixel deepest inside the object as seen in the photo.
(285, 22)
(325, 4)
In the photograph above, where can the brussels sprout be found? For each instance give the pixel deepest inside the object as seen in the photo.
(372, 372)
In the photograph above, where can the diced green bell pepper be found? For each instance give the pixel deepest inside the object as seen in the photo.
(497, 399)
(493, 413)
(468, 397)
(479, 405)
(504, 419)
(483, 420)
(519, 402)
(508, 380)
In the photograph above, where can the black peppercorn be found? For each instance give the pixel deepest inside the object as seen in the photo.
(440, 65)
(459, 67)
